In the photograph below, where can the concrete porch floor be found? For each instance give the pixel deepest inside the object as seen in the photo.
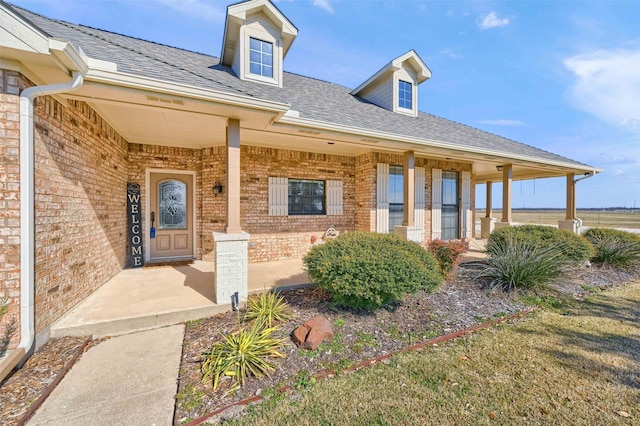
(157, 296)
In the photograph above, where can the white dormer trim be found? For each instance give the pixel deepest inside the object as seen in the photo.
(261, 20)
(382, 88)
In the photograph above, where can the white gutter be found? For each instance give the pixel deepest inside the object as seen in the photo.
(27, 205)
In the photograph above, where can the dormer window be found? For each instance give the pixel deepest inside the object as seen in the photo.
(405, 91)
(395, 86)
(260, 57)
(257, 37)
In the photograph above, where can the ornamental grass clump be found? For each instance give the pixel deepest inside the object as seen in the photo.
(614, 248)
(365, 270)
(575, 248)
(515, 263)
(268, 308)
(238, 355)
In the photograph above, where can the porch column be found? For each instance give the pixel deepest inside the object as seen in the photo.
(487, 223)
(233, 176)
(507, 178)
(409, 230)
(231, 247)
(409, 189)
(570, 223)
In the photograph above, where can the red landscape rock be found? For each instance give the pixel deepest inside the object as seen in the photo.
(313, 332)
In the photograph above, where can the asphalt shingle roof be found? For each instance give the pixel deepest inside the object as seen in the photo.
(312, 98)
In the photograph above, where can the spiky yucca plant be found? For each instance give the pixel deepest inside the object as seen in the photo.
(238, 355)
(520, 263)
(268, 308)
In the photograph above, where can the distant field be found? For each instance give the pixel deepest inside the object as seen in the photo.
(591, 218)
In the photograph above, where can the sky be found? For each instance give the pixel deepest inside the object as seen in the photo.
(563, 76)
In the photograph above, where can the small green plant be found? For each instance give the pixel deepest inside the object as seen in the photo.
(614, 247)
(521, 263)
(338, 322)
(238, 355)
(303, 380)
(545, 301)
(448, 255)
(364, 340)
(189, 397)
(365, 270)
(335, 345)
(267, 308)
(393, 332)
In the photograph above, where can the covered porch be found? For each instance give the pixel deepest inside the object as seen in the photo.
(158, 296)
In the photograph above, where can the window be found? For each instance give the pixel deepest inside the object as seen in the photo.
(172, 197)
(450, 228)
(260, 57)
(306, 196)
(396, 197)
(405, 95)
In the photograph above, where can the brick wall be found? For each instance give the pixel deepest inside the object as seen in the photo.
(81, 227)
(11, 83)
(289, 237)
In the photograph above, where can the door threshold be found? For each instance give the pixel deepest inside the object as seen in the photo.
(174, 261)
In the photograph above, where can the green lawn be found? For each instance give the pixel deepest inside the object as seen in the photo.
(578, 367)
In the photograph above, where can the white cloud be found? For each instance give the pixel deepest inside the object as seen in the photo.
(607, 85)
(199, 8)
(323, 4)
(491, 20)
(503, 122)
(450, 53)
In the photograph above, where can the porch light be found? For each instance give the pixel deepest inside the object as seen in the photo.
(499, 168)
(218, 189)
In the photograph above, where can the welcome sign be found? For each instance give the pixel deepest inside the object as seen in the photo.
(135, 230)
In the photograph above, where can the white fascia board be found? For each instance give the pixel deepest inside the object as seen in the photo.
(241, 10)
(422, 70)
(156, 85)
(288, 120)
(388, 67)
(66, 54)
(31, 38)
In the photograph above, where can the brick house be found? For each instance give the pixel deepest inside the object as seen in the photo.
(235, 159)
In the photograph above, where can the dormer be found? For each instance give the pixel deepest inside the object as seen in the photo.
(395, 86)
(257, 37)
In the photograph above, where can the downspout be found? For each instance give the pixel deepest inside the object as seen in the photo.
(587, 175)
(27, 206)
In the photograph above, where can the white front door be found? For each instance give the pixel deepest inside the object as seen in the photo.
(171, 214)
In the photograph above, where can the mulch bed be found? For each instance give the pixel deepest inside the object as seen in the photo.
(30, 384)
(460, 303)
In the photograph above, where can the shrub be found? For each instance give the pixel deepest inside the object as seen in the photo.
(10, 326)
(447, 254)
(521, 263)
(365, 270)
(267, 308)
(576, 248)
(614, 247)
(240, 354)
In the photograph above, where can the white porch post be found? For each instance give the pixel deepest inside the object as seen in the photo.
(507, 179)
(231, 247)
(409, 230)
(487, 223)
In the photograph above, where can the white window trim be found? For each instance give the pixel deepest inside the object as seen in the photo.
(279, 197)
(246, 34)
(396, 96)
(436, 204)
(467, 216)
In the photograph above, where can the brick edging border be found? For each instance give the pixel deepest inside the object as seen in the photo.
(51, 386)
(371, 361)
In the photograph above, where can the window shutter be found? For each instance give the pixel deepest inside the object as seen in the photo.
(334, 197)
(382, 215)
(436, 204)
(278, 196)
(419, 197)
(466, 206)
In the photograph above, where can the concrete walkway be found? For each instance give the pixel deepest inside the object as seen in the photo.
(126, 380)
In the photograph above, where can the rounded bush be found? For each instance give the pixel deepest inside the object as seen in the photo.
(364, 270)
(614, 247)
(574, 247)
